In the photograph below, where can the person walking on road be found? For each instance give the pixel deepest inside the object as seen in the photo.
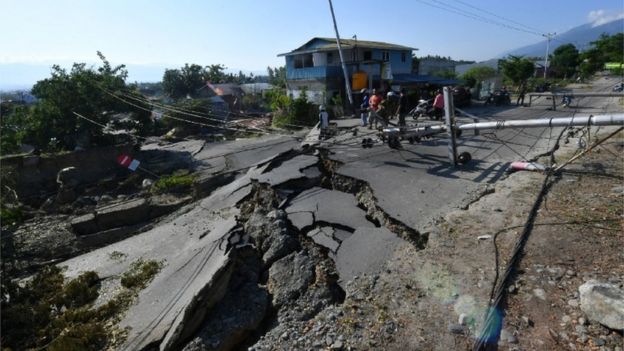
(438, 105)
(521, 93)
(323, 121)
(364, 107)
(402, 108)
(374, 101)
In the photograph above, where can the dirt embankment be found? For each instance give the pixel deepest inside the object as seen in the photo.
(436, 298)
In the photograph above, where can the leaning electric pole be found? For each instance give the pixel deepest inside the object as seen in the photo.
(344, 66)
(548, 36)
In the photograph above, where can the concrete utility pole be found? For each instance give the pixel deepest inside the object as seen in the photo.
(549, 37)
(344, 66)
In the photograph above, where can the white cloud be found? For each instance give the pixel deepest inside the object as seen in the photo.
(598, 17)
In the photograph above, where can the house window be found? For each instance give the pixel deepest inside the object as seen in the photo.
(330, 57)
(368, 55)
(385, 56)
(302, 61)
(403, 56)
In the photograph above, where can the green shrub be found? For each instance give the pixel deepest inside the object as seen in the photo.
(140, 274)
(173, 183)
(49, 313)
(11, 215)
(298, 112)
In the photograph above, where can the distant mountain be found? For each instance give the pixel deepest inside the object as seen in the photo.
(580, 36)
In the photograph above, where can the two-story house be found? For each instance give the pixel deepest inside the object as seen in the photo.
(315, 67)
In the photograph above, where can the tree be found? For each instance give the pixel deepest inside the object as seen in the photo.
(11, 127)
(178, 83)
(91, 93)
(517, 68)
(173, 84)
(215, 73)
(447, 74)
(565, 60)
(415, 63)
(605, 49)
(476, 75)
(192, 77)
(277, 76)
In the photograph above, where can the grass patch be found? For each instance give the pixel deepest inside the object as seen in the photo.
(117, 255)
(11, 215)
(140, 274)
(173, 184)
(50, 313)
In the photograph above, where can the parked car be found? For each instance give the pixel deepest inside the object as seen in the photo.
(541, 88)
(498, 97)
(461, 96)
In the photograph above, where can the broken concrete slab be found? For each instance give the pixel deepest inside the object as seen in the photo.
(280, 245)
(195, 273)
(341, 235)
(122, 214)
(85, 224)
(290, 277)
(326, 206)
(324, 236)
(365, 252)
(126, 213)
(108, 236)
(289, 170)
(603, 303)
(239, 314)
(161, 205)
(312, 172)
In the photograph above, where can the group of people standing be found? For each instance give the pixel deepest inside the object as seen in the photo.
(376, 110)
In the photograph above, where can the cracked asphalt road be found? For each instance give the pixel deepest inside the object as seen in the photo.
(413, 185)
(417, 183)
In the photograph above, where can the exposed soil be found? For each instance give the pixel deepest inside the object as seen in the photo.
(434, 291)
(417, 301)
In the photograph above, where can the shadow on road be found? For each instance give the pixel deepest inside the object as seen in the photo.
(492, 173)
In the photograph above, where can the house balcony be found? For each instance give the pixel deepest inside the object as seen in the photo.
(310, 73)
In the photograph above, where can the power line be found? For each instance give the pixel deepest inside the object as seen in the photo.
(463, 12)
(210, 157)
(194, 113)
(535, 30)
(185, 120)
(497, 16)
(144, 100)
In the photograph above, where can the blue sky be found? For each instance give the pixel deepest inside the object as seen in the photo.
(248, 34)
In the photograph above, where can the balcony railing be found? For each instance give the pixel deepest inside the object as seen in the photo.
(313, 72)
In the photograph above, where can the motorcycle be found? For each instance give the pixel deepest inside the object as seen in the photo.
(424, 108)
(566, 101)
(498, 97)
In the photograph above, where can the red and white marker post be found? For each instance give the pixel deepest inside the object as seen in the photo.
(132, 164)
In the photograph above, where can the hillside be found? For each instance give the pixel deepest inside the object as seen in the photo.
(580, 36)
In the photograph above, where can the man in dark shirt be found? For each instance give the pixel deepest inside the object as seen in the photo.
(402, 108)
(364, 107)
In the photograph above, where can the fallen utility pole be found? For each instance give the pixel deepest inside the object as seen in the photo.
(342, 61)
(576, 121)
(572, 95)
(588, 149)
(454, 130)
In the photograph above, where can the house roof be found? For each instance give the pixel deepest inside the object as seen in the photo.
(408, 78)
(227, 89)
(331, 45)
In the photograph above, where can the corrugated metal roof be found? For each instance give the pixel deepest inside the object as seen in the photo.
(346, 44)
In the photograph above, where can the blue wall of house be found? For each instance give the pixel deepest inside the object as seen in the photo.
(334, 70)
